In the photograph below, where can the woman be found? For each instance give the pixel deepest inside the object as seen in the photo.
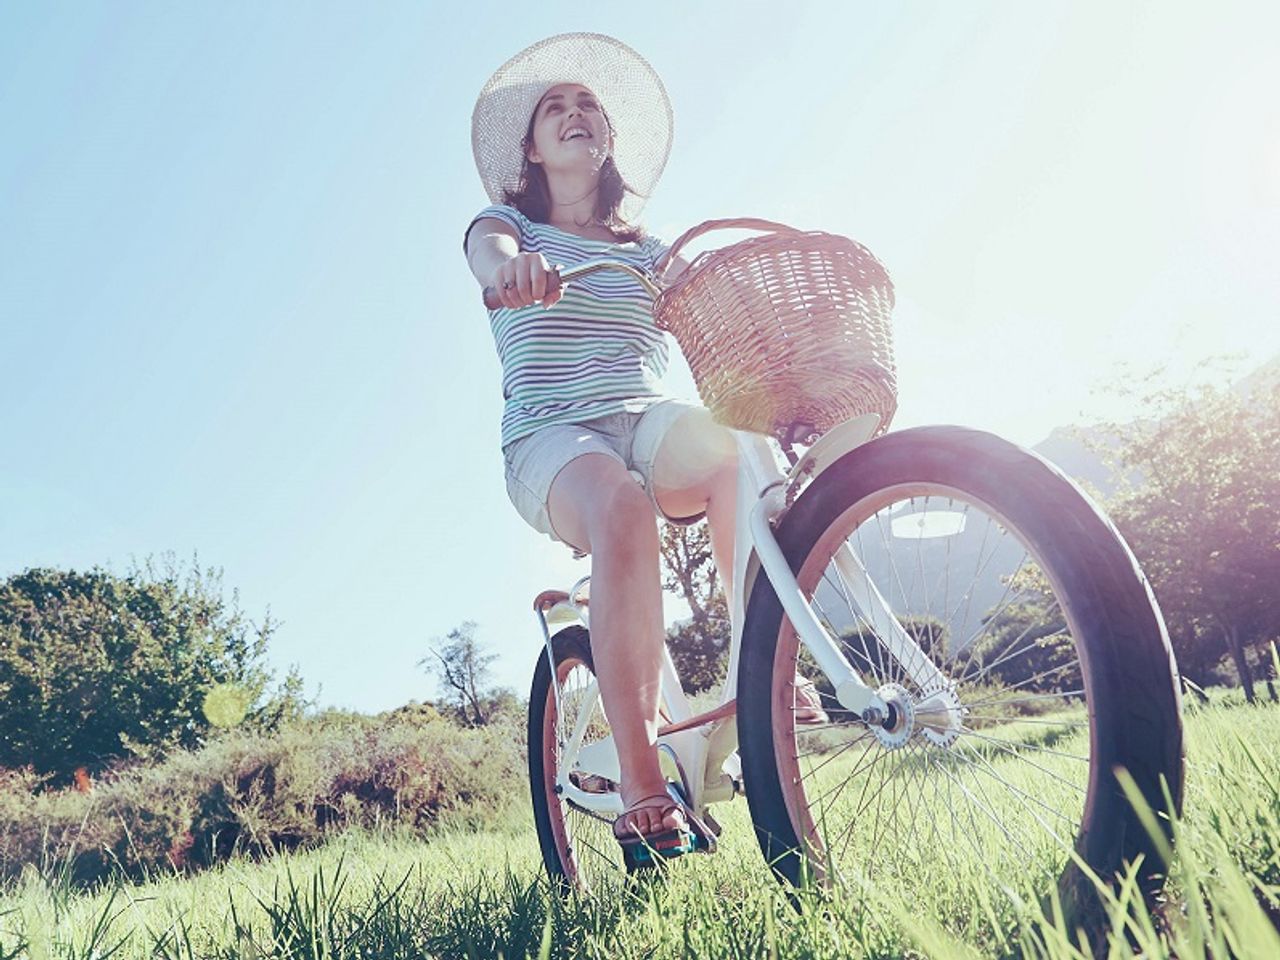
(570, 136)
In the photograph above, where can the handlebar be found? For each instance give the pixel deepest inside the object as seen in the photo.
(557, 278)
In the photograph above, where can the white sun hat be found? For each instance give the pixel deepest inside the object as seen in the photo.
(627, 87)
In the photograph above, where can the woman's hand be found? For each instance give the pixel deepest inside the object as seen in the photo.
(524, 279)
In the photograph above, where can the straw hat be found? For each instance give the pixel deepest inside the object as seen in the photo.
(628, 88)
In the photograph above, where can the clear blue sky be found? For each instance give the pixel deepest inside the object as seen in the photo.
(235, 318)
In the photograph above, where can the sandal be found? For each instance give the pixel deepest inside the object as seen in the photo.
(809, 712)
(639, 849)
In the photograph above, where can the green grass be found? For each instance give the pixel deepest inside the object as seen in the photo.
(462, 894)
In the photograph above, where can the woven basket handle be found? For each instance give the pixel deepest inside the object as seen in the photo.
(735, 223)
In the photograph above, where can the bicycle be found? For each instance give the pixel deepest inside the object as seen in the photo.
(987, 651)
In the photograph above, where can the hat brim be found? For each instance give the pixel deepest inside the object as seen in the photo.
(628, 88)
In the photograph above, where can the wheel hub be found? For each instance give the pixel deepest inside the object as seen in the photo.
(940, 714)
(895, 730)
(937, 714)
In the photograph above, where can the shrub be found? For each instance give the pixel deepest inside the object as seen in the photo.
(95, 667)
(256, 794)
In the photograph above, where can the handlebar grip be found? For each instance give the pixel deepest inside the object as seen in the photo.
(494, 302)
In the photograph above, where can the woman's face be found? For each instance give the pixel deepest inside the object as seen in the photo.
(570, 131)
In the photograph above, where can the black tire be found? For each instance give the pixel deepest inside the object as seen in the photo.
(578, 849)
(1125, 667)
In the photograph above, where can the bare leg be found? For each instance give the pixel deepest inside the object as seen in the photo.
(696, 471)
(597, 506)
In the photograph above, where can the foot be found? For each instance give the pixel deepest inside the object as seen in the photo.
(650, 816)
(809, 710)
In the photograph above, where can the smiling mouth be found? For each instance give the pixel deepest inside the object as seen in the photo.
(576, 133)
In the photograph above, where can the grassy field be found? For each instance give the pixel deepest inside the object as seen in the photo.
(480, 894)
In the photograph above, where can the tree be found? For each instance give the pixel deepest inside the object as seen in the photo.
(96, 667)
(867, 654)
(461, 668)
(1024, 643)
(1205, 523)
(700, 645)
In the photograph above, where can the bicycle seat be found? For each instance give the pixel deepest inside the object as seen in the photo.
(548, 599)
(557, 606)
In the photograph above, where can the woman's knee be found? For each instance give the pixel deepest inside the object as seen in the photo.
(595, 499)
(698, 461)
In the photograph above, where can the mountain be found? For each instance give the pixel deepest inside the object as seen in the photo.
(1074, 451)
(1263, 380)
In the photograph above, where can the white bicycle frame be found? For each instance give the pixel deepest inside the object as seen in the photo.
(700, 751)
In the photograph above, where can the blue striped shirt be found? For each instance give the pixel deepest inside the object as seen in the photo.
(595, 352)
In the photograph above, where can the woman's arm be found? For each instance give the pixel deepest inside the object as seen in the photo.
(493, 253)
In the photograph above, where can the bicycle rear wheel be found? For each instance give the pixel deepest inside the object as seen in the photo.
(578, 846)
(1053, 668)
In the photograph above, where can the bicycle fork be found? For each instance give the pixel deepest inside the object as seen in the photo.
(756, 516)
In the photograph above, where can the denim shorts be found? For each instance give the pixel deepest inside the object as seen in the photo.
(533, 462)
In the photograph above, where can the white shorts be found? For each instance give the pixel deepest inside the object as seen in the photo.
(534, 462)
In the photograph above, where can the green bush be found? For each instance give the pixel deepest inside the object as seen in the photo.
(96, 667)
(257, 794)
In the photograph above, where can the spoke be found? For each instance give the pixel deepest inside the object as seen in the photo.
(971, 834)
(840, 752)
(859, 767)
(905, 668)
(914, 793)
(992, 817)
(861, 624)
(987, 768)
(882, 675)
(1028, 699)
(938, 659)
(1001, 605)
(1040, 676)
(980, 786)
(594, 849)
(819, 727)
(847, 833)
(827, 625)
(861, 804)
(1023, 746)
(946, 574)
(1015, 719)
(975, 678)
(1001, 744)
(990, 771)
(844, 783)
(886, 781)
(889, 774)
(940, 842)
(967, 597)
(1031, 626)
(587, 814)
(899, 673)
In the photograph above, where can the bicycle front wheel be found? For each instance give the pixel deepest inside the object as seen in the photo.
(1039, 664)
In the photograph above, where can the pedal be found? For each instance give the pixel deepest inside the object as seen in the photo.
(650, 852)
(705, 828)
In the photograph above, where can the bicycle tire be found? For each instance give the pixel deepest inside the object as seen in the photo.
(1126, 669)
(578, 848)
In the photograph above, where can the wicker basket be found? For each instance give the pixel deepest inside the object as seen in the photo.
(787, 334)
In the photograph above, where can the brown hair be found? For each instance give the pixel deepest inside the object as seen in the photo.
(532, 196)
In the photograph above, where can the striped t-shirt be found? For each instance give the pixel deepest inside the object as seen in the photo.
(595, 352)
